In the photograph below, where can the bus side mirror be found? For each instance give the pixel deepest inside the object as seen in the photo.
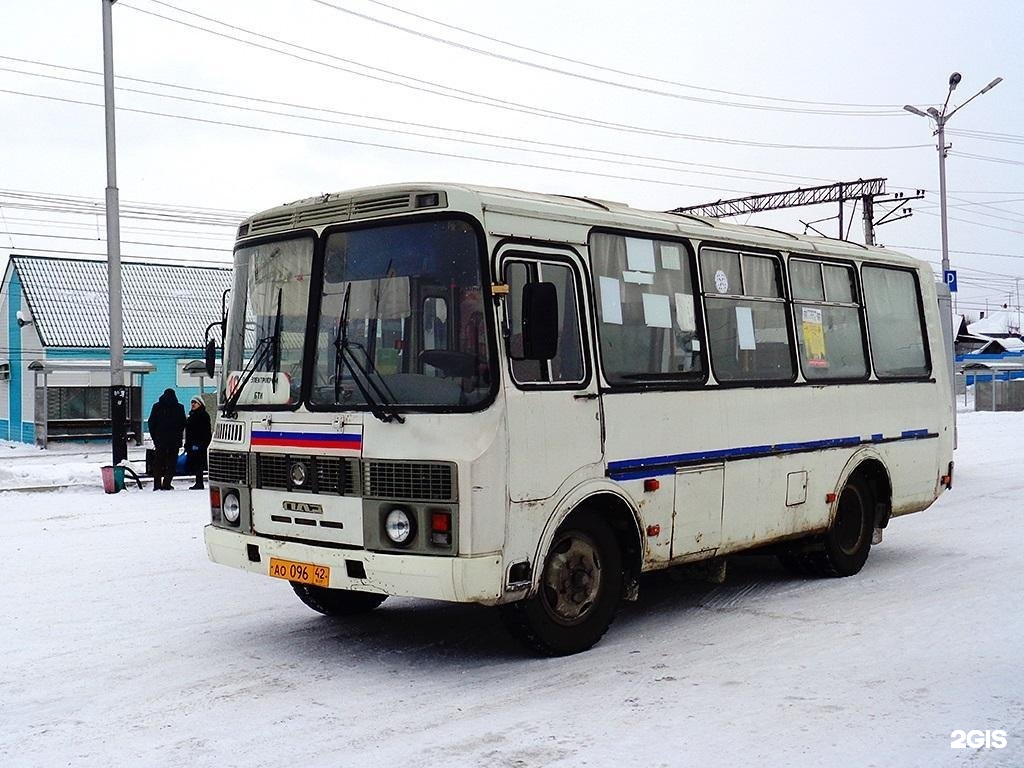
(540, 321)
(211, 358)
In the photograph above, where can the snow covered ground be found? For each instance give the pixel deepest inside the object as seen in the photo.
(121, 645)
(61, 464)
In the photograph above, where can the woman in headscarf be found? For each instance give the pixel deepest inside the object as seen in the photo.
(197, 438)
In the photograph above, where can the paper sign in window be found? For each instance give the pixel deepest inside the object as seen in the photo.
(611, 304)
(657, 311)
(640, 278)
(745, 328)
(640, 254)
(814, 337)
(670, 256)
(685, 318)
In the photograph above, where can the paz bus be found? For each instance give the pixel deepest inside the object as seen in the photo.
(527, 400)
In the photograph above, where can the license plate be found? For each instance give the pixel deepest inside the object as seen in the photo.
(304, 573)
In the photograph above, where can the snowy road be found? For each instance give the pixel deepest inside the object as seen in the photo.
(123, 646)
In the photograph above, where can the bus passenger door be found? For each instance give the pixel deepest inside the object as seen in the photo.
(697, 513)
(552, 406)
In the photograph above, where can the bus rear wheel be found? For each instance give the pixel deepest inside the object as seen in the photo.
(844, 548)
(579, 594)
(337, 602)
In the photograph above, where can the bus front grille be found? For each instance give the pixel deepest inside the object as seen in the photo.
(336, 475)
(409, 480)
(228, 467)
(324, 474)
(229, 431)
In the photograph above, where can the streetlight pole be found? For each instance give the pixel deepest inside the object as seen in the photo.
(118, 391)
(941, 118)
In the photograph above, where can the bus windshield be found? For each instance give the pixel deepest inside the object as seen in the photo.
(402, 319)
(267, 324)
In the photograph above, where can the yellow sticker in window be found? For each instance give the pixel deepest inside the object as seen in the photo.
(814, 337)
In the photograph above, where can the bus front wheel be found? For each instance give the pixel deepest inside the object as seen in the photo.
(337, 602)
(844, 548)
(579, 594)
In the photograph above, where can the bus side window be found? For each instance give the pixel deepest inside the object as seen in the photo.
(829, 331)
(566, 366)
(748, 330)
(895, 324)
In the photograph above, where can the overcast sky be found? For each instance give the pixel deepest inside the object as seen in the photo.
(736, 98)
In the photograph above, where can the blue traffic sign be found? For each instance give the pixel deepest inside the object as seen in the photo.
(949, 276)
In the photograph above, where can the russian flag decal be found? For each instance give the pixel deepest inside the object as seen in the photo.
(325, 440)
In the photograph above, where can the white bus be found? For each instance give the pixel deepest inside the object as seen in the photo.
(524, 400)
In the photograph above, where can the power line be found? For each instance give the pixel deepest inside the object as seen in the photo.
(987, 158)
(126, 242)
(978, 224)
(377, 145)
(892, 111)
(967, 253)
(602, 68)
(489, 101)
(607, 153)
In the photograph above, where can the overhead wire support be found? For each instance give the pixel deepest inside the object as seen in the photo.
(792, 198)
(863, 191)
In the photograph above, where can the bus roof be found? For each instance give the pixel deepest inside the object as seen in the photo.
(396, 199)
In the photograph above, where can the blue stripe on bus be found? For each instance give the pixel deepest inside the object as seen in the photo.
(657, 466)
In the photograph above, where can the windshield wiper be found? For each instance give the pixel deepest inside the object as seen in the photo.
(376, 393)
(267, 347)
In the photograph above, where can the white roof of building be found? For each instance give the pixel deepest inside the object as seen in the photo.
(164, 305)
(997, 323)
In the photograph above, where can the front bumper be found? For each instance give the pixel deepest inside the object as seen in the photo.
(456, 579)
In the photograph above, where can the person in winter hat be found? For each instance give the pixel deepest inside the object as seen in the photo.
(198, 434)
(166, 427)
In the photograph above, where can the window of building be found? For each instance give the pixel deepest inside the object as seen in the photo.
(647, 318)
(895, 324)
(746, 315)
(829, 330)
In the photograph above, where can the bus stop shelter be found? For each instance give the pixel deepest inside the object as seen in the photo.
(68, 410)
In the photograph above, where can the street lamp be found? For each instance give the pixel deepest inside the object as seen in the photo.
(941, 118)
(118, 391)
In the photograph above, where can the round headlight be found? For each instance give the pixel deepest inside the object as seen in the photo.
(231, 508)
(298, 473)
(398, 526)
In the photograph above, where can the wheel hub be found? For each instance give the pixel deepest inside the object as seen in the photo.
(572, 579)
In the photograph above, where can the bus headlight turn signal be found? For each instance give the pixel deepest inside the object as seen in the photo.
(231, 508)
(398, 526)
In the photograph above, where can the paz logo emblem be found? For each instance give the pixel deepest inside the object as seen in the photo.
(303, 507)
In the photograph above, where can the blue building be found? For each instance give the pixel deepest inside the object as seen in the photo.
(55, 348)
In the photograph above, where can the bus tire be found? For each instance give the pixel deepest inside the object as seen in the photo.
(580, 590)
(844, 547)
(337, 602)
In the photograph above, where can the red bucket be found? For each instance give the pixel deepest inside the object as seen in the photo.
(113, 479)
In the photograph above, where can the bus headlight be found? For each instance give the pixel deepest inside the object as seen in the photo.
(398, 526)
(231, 507)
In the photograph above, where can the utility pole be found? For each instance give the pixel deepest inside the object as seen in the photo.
(941, 118)
(118, 391)
(868, 206)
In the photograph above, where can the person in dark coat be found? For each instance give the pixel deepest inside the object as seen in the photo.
(198, 434)
(166, 427)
